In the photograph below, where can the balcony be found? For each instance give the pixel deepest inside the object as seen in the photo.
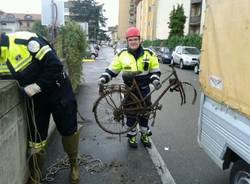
(195, 20)
(137, 2)
(196, 1)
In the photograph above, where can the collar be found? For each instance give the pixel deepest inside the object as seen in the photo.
(4, 40)
(137, 53)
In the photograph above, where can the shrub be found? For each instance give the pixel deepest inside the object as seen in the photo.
(71, 45)
(173, 41)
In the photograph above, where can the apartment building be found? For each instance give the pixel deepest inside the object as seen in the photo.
(26, 21)
(146, 18)
(113, 33)
(8, 23)
(11, 22)
(197, 16)
(127, 16)
(153, 17)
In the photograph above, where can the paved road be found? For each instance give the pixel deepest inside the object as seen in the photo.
(175, 137)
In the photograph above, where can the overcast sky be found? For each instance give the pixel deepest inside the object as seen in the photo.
(34, 6)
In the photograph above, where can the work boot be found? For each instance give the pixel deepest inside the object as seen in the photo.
(145, 140)
(36, 165)
(132, 141)
(70, 145)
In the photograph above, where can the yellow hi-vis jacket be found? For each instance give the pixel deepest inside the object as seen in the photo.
(18, 51)
(28, 58)
(145, 63)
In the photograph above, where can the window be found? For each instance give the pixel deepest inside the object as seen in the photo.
(195, 10)
(27, 17)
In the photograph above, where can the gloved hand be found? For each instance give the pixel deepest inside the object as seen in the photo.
(32, 89)
(101, 81)
(156, 84)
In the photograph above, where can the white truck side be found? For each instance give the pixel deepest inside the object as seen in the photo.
(224, 118)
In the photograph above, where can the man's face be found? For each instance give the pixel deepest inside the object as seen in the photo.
(133, 42)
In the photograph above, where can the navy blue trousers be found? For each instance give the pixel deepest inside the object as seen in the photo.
(143, 121)
(59, 102)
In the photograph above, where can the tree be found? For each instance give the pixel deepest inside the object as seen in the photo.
(102, 36)
(177, 21)
(38, 28)
(91, 12)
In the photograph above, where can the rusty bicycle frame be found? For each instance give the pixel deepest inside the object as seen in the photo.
(138, 105)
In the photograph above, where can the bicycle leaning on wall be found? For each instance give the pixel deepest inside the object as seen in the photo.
(117, 101)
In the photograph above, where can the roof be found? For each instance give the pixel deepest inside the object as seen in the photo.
(27, 16)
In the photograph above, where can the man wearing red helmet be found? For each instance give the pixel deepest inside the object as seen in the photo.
(135, 58)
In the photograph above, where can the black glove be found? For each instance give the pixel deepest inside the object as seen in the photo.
(156, 84)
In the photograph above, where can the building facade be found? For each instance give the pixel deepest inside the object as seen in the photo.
(146, 18)
(26, 21)
(196, 19)
(8, 23)
(11, 22)
(153, 17)
(163, 14)
(113, 34)
(127, 17)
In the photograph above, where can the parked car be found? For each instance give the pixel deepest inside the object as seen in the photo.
(157, 51)
(197, 67)
(185, 56)
(118, 47)
(91, 51)
(165, 55)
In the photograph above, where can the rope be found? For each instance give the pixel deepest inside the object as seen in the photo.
(87, 161)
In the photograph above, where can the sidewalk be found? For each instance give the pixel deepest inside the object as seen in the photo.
(122, 165)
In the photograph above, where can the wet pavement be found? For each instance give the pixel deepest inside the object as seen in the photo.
(121, 164)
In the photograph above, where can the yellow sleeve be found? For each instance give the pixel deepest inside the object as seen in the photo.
(116, 65)
(154, 64)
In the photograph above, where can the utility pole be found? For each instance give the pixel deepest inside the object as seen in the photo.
(53, 22)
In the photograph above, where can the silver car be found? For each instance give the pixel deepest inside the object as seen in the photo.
(118, 47)
(185, 56)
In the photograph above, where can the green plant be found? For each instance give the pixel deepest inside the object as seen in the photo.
(189, 40)
(177, 21)
(172, 42)
(71, 45)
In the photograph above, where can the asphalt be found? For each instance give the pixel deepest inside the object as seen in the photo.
(117, 163)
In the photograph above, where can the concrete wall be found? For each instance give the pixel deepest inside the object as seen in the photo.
(13, 167)
(13, 135)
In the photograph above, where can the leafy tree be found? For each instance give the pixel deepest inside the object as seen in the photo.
(177, 21)
(102, 36)
(91, 12)
(71, 45)
(38, 28)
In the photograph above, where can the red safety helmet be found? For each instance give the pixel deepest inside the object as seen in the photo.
(132, 32)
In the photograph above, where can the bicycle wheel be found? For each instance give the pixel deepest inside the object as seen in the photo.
(112, 108)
